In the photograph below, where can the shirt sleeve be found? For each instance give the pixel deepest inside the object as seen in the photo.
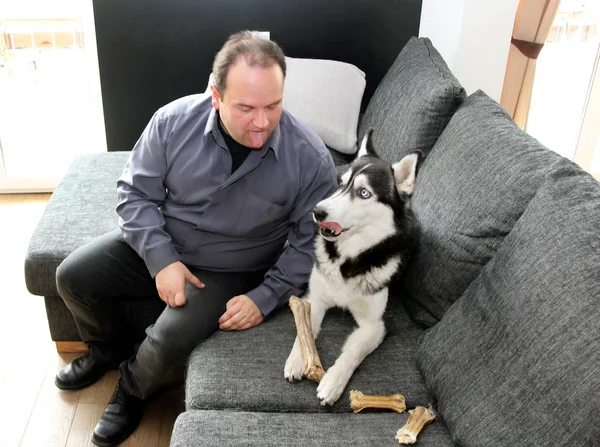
(141, 191)
(290, 274)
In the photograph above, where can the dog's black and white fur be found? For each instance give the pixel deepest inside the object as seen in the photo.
(366, 235)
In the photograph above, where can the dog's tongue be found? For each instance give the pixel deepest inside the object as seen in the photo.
(333, 226)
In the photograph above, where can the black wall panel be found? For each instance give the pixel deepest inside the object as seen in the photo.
(153, 51)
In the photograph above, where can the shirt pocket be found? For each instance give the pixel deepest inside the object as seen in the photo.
(259, 218)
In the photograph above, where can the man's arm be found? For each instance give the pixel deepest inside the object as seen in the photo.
(290, 275)
(141, 191)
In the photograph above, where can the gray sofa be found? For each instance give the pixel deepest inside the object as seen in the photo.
(495, 324)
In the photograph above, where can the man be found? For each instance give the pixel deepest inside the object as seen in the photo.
(212, 190)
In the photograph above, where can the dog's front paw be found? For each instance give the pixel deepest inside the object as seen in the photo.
(332, 384)
(294, 366)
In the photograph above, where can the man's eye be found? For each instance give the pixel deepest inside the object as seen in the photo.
(364, 193)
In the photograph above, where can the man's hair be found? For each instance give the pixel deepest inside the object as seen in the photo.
(256, 51)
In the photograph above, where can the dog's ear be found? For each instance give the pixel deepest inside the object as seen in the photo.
(366, 146)
(405, 172)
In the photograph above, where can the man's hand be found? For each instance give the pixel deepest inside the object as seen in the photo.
(241, 314)
(171, 281)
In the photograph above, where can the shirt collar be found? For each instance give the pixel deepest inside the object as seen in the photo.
(274, 141)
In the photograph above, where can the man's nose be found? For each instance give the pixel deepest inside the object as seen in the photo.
(260, 119)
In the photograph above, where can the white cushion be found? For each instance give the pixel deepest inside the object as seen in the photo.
(326, 95)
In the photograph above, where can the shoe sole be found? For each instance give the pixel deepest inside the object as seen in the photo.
(79, 386)
(109, 444)
(116, 442)
(102, 443)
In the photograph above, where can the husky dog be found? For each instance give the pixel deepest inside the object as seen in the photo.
(366, 235)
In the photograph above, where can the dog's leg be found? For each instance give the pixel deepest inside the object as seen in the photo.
(360, 343)
(294, 366)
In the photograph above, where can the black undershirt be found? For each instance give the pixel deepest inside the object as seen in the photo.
(238, 151)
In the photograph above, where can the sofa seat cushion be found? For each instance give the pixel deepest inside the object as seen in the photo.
(516, 360)
(242, 428)
(244, 370)
(81, 208)
(413, 102)
(470, 191)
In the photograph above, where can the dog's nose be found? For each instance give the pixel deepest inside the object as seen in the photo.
(320, 214)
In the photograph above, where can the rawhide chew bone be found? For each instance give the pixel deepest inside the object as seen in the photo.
(360, 401)
(313, 369)
(419, 418)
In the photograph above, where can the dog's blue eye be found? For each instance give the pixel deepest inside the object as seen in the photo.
(364, 193)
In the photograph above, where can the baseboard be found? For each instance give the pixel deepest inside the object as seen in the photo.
(71, 346)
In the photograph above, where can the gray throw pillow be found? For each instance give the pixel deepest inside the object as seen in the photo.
(516, 360)
(413, 102)
(470, 191)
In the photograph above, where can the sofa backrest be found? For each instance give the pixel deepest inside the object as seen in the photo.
(506, 269)
(153, 52)
(413, 103)
(470, 192)
(516, 359)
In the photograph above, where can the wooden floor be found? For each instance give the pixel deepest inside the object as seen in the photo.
(33, 412)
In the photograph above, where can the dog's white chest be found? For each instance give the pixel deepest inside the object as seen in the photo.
(340, 279)
(327, 282)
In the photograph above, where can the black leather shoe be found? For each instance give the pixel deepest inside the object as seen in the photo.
(82, 372)
(120, 419)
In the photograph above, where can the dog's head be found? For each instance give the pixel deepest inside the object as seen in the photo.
(371, 198)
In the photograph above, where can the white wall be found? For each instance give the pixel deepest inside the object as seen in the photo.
(473, 37)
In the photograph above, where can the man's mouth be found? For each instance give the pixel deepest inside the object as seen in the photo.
(330, 229)
(257, 139)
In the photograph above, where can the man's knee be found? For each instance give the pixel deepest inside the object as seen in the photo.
(77, 274)
(180, 329)
(92, 267)
(178, 337)
(69, 278)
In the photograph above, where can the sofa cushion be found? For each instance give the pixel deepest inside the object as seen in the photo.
(470, 191)
(244, 370)
(413, 103)
(82, 207)
(516, 360)
(326, 95)
(233, 428)
(340, 159)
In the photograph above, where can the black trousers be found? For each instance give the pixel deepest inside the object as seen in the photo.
(95, 276)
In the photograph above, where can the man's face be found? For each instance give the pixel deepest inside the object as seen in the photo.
(252, 103)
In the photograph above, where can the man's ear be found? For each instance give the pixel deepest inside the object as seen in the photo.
(405, 172)
(216, 97)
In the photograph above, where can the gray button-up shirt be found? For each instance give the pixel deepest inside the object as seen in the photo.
(179, 201)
